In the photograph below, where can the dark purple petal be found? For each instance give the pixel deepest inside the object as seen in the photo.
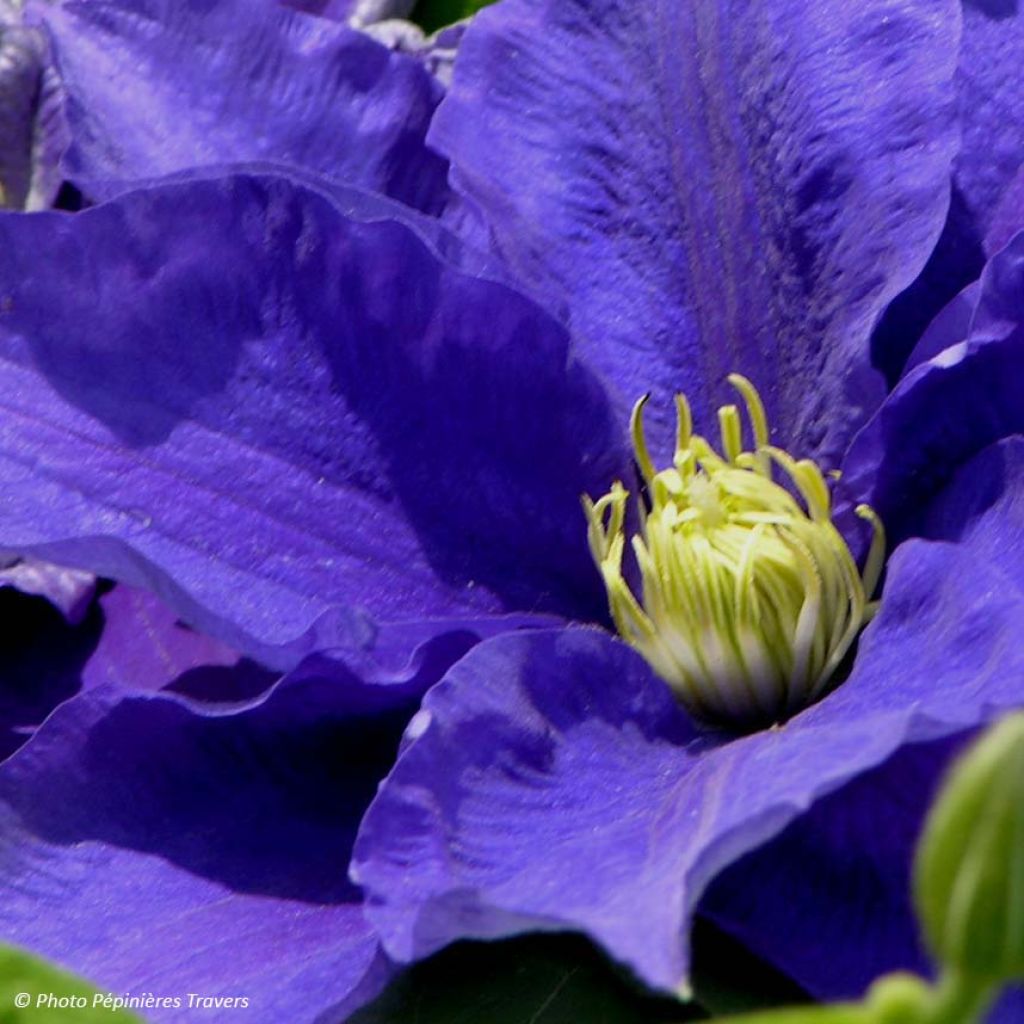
(70, 590)
(947, 409)
(713, 187)
(950, 327)
(1010, 1009)
(1008, 218)
(157, 86)
(990, 77)
(155, 848)
(838, 879)
(42, 662)
(303, 431)
(550, 781)
(128, 639)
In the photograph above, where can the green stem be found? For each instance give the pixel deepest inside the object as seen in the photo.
(959, 999)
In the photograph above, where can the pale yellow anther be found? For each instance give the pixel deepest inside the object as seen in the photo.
(640, 452)
(758, 420)
(684, 423)
(732, 432)
(750, 598)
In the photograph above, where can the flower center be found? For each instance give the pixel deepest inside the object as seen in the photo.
(750, 599)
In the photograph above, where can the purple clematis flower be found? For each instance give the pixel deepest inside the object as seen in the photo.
(320, 427)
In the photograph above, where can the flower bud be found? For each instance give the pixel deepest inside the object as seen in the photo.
(969, 875)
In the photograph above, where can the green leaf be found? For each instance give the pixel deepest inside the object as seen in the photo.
(53, 996)
(549, 979)
(969, 873)
(431, 15)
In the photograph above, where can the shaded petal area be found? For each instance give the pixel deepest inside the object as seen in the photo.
(950, 327)
(158, 86)
(990, 77)
(838, 878)
(713, 187)
(969, 394)
(302, 431)
(155, 848)
(551, 782)
(42, 661)
(126, 638)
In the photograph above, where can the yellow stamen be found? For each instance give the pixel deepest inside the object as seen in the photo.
(749, 599)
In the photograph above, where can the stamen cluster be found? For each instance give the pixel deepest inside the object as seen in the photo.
(749, 599)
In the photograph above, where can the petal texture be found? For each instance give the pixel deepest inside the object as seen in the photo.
(143, 647)
(154, 848)
(713, 187)
(304, 431)
(990, 75)
(158, 86)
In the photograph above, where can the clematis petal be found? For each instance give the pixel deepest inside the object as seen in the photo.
(949, 407)
(713, 187)
(220, 839)
(437, 52)
(950, 327)
(126, 638)
(303, 431)
(1008, 218)
(462, 839)
(990, 74)
(838, 878)
(143, 646)
(857, 846)
(156, 86)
